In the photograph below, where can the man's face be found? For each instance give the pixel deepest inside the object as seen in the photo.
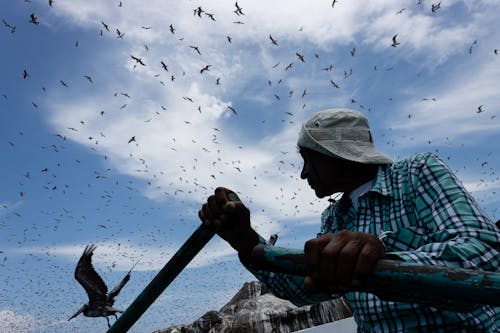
(326, 174)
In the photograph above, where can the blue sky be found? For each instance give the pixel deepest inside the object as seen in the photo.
(70, 177)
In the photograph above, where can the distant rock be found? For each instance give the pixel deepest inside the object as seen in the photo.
(254, 309)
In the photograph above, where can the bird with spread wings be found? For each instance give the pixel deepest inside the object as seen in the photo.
(100, 302)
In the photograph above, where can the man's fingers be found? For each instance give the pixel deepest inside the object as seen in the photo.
(368, 257)
(312, 252)
(221, 195)
(213, 205)
(346, 261)
(329, 259)
(341, 261)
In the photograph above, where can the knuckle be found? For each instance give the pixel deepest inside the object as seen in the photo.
(309, 245)
(348, 252)
(369, 253)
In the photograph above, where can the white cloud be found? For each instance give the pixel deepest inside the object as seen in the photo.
(14, 322)
(457, 102)
(176, 147)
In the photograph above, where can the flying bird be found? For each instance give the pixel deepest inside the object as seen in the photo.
(212, 16)
(11, 27)
(137, 61)
(164, 65)
(105, 25)
(394, 42)
(198, 11)
(206, 68)
(132, 139)
(195, 48)
(480, 109)
(274, 41)
(119, 34)
(300, 56)
(435, 7)
(239, 10)
(334, 84)
(100, 302)
(34, 19)
(233, 110)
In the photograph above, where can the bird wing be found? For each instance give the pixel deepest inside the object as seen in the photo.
(110, 299)
(86, 275)
(116, 290)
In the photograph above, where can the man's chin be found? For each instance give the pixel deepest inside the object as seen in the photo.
(319, 193)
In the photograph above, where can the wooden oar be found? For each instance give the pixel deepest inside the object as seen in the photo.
(401, 281)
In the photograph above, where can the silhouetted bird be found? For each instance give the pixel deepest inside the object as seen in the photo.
(105, 25)
(394, 42)
(435, 7)
(138, 60)
(206, 68)
(164, 65)
(100, 302)
(195, 48)
(34, 19)
(239, 10)
(10, 26)
(274, 41)
(119, 34)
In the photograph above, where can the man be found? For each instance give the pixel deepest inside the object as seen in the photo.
(414, 210)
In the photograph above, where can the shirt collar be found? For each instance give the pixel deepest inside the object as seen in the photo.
(383, 184)
(359, 191)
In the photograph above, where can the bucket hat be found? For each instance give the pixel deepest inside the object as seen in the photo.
(341, 133)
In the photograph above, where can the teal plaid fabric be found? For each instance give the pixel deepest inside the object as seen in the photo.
(425, 216)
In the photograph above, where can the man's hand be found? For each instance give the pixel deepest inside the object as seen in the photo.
(230, 220)
(340, 262)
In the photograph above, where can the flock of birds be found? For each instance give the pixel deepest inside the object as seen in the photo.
(100, 301)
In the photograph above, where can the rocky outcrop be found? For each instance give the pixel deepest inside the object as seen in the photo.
(254, 309)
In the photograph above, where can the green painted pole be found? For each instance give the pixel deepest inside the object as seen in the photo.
(399, 281)
(165, 276)
(163, 279)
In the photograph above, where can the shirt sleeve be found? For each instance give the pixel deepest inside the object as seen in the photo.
(459, 234)
(286, 286)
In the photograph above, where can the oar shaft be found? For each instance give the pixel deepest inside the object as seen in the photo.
(166, 275)
(400, 281)
(162, 280)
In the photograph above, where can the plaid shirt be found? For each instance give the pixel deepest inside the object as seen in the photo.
(427, 217)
